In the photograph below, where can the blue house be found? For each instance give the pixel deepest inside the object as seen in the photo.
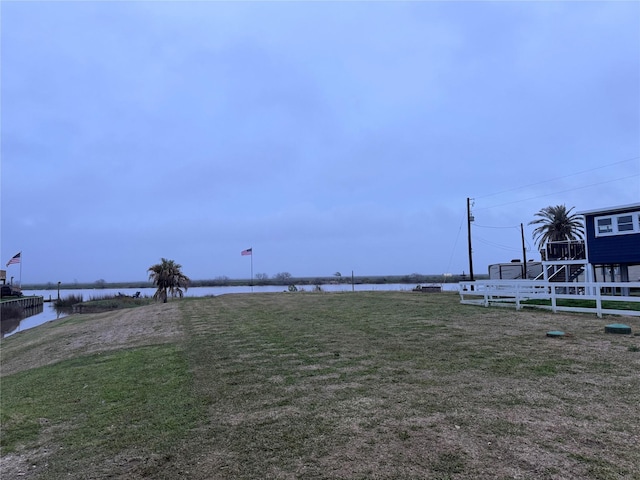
(613, 242)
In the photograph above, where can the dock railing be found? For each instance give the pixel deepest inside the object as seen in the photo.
(607, 298)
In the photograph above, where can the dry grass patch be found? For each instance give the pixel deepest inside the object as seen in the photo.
(90, 333)
(397, 385)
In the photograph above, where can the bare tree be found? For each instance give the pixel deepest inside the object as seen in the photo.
(282, 277)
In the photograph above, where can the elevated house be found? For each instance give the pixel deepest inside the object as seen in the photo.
(613, 243)
(610, 251)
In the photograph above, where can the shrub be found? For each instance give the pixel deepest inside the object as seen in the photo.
(68, 301)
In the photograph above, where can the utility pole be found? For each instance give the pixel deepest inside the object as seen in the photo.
(469, 220)
(524, 254)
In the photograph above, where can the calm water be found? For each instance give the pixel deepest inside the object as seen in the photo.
(49, 313)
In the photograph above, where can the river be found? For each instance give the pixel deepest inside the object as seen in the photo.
(49, 312)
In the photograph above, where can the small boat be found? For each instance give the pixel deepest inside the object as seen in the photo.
(428, 288)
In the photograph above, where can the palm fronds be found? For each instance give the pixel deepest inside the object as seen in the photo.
(168, 277)
(556, 223)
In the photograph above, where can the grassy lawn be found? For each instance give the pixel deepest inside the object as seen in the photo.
(384, 385)
(570, 302)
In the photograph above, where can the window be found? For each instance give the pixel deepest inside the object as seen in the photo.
(625, 223)
(605, 225)
(617, 224)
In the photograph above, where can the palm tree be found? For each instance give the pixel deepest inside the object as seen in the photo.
(168, 277)
(557, 224)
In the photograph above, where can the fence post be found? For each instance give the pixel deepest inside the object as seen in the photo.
(598, 300)
(487, 287)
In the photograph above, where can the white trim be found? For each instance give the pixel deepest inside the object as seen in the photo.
(610, 210)
(615, 223)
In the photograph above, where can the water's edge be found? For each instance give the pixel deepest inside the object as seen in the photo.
(49, 312)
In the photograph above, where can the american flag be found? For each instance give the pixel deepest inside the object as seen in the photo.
(14, 259)
(248, 251)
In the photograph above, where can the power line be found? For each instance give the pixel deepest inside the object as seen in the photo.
(561, 191)
(497, 245)
(559, 178)
(486, 226)
(453, 251)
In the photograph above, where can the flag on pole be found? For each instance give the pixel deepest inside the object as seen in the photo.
(248, 251)
(14, 259)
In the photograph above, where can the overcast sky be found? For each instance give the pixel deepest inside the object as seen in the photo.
(327, 136)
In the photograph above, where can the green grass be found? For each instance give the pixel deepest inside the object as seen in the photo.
(99, 405)
(570, 302)
(113, 303)
(100, 303)
(327, 386)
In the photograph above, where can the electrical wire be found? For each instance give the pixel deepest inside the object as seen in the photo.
(453, 251)
(561, 191)
(559, 178)
(497, 245)
(486, 226)
(528, 247)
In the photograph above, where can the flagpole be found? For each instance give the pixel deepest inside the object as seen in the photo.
(20, 269)
(249, 251)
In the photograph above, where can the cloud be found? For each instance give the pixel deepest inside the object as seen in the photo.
(322, 134)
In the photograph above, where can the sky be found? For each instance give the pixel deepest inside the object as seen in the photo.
(328, 136)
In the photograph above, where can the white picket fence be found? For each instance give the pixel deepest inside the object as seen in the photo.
(515, 292)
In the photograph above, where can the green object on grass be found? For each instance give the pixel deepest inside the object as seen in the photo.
(555, 334)
(617, 328)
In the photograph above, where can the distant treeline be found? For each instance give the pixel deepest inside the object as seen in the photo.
(280, 279)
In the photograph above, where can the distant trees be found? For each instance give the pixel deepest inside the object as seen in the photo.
(100, 283)
(282, 276)
(168, 277)
(556, 223)
(415, 278)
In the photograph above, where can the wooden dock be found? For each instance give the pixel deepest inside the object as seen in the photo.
(14, 310)
(29, 305)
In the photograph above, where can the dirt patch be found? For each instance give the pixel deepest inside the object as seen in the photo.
(22, 465)
(31, 462)
(86, 334)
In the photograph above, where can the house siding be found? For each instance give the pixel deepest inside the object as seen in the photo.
(614, 249)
